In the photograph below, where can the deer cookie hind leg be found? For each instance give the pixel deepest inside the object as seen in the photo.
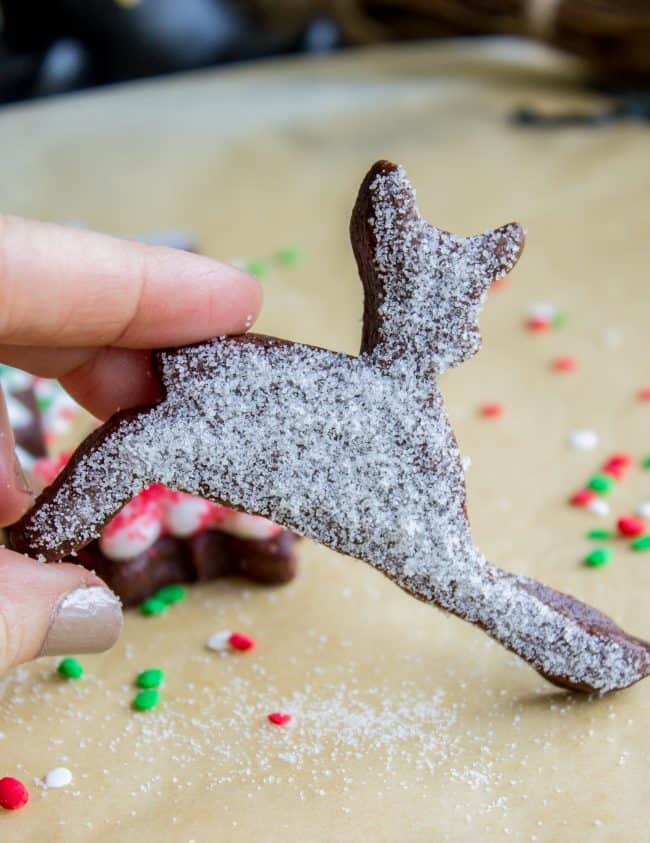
(105, 472)
(569, 643)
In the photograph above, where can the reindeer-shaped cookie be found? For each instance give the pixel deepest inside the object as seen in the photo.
(354, 452)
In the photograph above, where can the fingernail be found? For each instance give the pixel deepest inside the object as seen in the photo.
(86, 620)
(21, 480)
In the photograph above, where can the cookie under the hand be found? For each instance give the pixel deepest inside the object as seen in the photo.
(208, 555)
(354, 452)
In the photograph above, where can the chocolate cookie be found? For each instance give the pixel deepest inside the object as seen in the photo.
(163, 537)
(354, 452)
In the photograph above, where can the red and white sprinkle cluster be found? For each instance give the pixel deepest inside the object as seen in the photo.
(227, 640)
(615, 467)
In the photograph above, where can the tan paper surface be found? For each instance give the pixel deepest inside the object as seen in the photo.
(408, 725)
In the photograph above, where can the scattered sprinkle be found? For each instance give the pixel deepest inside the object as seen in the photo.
(644, 394)
(13, 794)
(599, 507)
(538, 324)
(642, 543)
(151, 678)
(583, 440)
(644, 509)
(70, 668)
(279, 718)
(289, 256)
(239, 641)
(646, 461)
(602, 483)
(258, 268)
(599, 557)
(492, 410)
(146, 700)
(564, 364)
(153, 606)
(58, 777)
(631, 526)
(583, 497)
(171, 594)
(559, 320)
(617, 465)
(219, 640)
(600, 534)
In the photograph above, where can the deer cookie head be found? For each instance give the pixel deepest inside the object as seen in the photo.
(423, 287)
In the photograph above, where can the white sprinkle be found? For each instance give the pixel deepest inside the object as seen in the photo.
(644, 509)
(467, 461)
(219, 640)
(58, 777)
(613, 338)
(599, 507)
(583, 440)
(542, 310)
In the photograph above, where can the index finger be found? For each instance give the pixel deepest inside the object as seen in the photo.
(66, 287)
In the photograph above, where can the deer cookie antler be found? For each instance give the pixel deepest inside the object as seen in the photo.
(354, 452)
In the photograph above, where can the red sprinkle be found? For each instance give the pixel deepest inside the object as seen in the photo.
(491, 411)
(582, 498)
(565, 364)
(501, 283)
(615, 470)
(13, 794)
(644, 394)
(538, 324)
(617, 465)
(278, 718)
(620, 459)
(630, 525)
(239, 641)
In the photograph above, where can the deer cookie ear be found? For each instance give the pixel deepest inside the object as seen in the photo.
(495, 253)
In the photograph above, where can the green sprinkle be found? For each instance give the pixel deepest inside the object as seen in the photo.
(601, 483)
(289, 256)
(599, 557)
(559, 320)
(260, 269)
(44, 402)
(642, 543)
(153, 606)
(146, 699)
(171, 594)
(646, 461)
(70, 668)
(600, 534)
(152, 678)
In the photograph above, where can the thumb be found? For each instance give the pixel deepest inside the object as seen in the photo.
(56, 609)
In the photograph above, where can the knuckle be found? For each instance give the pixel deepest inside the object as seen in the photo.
(9, 635)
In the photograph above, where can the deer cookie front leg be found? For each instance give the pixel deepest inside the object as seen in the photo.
(88, 492)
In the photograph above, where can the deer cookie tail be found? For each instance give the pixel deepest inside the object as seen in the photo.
(87, 493)
(568, 642)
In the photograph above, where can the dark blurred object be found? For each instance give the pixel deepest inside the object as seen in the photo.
(614, 35)
(61, 45)
(64, 45)
(633, 106)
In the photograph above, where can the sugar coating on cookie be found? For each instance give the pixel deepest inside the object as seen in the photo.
(354, 452)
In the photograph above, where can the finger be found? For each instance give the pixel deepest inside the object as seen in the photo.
(15, 495)
(112, 380)
(67, 287)
(102, 380)
(48, 610)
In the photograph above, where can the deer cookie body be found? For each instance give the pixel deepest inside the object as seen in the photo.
(353, 452)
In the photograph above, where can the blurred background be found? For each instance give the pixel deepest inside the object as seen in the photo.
(64, 45)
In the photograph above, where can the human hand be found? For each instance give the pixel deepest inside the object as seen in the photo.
(86, 308)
